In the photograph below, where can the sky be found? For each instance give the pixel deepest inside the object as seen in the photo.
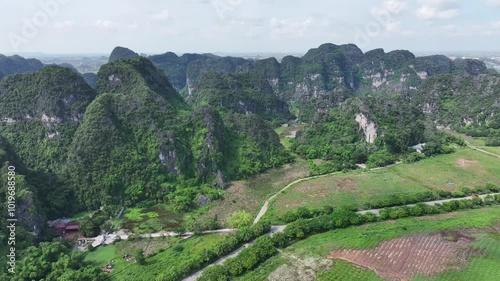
(246, 26)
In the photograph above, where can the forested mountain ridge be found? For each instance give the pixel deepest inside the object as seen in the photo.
(466, 103)
(40, 111)
(17, 64)
(325, 76)
(132, 139)
(243, 93)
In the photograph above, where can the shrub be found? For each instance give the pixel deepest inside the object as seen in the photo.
(279, 240)
(492, 187)
(239, 219)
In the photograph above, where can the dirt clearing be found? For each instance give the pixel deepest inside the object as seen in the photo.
(464, 163)
(403, 258)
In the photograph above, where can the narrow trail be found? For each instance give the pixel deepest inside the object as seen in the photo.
(483, 151)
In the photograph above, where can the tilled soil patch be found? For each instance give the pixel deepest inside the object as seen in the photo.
(403, 258)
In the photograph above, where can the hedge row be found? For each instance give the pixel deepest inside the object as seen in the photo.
(249, 258)
(220, 249)
(391, 201)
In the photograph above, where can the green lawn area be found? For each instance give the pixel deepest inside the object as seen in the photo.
(102, 255)
(167, 259)
(466, 167)
(492, 149)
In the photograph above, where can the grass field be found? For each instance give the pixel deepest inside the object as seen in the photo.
(285, 132)
(492, 149)
(103, 254)
(484, 267)
(466, 167)
(166, 260)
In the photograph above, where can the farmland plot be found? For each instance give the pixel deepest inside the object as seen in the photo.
(406, 257)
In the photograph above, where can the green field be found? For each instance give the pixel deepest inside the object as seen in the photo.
(103, 254)
(466, 167)
(492, 149)
(484, 267)
(167, 259)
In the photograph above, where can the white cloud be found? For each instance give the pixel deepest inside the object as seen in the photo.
(438, 9)
(133, 26)
(395, 7)
(394, 26)
(469, 30)
(494, 3)
(106, 24)
(296, 28)
(162, 15)
(389, 7)
(63, 24)
(384, 15)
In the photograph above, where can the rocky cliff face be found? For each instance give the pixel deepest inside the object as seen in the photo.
(175, 67)
(460, 100)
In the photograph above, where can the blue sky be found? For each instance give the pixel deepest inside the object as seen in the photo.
(239, 26)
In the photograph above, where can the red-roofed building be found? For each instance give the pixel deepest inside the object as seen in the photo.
(68, 230)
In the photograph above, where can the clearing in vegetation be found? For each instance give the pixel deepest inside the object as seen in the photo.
(465, 168)
(250, 195)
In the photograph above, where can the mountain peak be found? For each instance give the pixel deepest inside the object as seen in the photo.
(119, 53)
